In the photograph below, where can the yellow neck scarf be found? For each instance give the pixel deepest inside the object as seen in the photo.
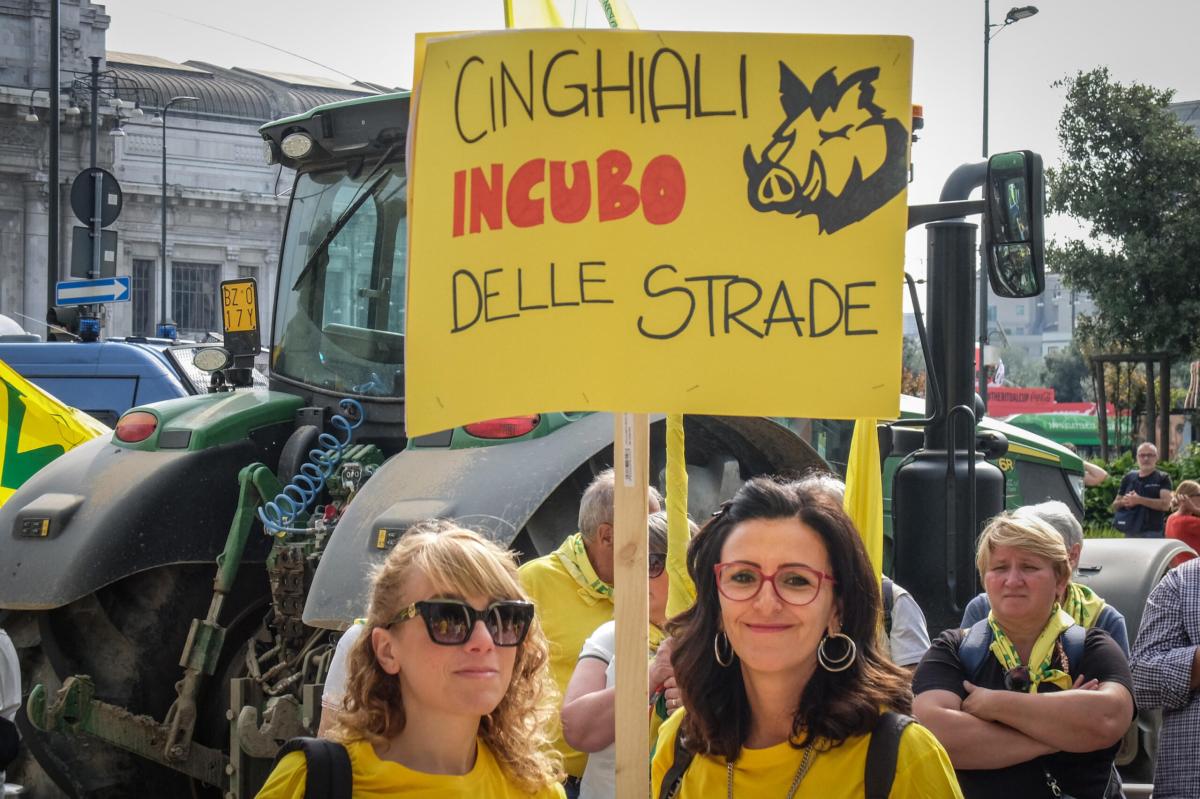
(1083, 605)
(574, 558)
(1041, 657)
(656, 637)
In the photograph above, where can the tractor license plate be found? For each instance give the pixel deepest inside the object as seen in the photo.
(239, 306)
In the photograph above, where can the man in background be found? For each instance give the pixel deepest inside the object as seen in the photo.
(1140, 509)
(572, 588)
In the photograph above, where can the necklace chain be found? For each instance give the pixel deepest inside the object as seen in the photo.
(796, 780)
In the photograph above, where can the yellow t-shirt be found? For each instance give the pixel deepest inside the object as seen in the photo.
(383, 778)
(571, 603)
(923, 769)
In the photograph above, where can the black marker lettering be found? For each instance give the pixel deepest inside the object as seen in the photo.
(487, 295)
(583, 99)
(457, 105)
(686, 105)
(849, 306)
(731, 315)
(554, 303)
(812, 308)
(662, 293)
(583, 265)
(478, 294)
(781, 293)
(521, 306)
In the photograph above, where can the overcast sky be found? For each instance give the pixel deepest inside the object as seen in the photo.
(1153, 42)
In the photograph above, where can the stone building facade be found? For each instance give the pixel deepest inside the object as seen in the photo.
(225, 205)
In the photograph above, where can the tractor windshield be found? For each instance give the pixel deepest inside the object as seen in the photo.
(340, 320)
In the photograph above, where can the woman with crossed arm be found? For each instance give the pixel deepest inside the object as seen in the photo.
(1029, 720)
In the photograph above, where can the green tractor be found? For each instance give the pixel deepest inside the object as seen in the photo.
(175, 591)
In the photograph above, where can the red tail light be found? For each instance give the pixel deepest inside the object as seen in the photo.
(504, 427)
(136, 426)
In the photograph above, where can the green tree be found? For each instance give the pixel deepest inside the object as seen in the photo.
(912, 367)
(1067, 373)
(1131, 174)
(1021, 368)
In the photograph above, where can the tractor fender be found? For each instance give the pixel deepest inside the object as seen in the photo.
(102, 512)
(1125, 570)
(505, 492)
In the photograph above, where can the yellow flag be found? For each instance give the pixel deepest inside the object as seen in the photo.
(619, 14)
(864, 489)
(681, 594)
(531, 14)
(38, 428)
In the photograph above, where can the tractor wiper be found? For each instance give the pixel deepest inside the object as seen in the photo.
(348, 213)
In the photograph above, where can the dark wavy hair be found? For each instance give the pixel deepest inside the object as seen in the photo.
(833, 706)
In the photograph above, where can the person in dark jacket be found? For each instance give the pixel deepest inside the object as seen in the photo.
(1140, 509)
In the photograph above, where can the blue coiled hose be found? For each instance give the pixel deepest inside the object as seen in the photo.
(297, 496)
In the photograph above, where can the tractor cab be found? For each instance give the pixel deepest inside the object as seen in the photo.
(339, 320)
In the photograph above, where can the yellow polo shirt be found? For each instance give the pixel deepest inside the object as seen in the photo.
(923, 769)
(571, 603)
(379, 779)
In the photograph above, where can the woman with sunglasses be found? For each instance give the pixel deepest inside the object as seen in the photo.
(781, 672)
(589, 707)
(1026, 701)
(448, 692)
(1184, 523)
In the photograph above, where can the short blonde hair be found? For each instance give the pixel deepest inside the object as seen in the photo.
(455, 560)
(1027, 533)
(1186, 488)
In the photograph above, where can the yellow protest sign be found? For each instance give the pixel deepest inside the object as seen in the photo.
(37, 429)
(648, 221)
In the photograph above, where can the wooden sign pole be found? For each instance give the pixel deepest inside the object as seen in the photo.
(631, 451)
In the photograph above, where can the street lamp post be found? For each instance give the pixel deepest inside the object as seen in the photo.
(166, 327)
(1015, 14)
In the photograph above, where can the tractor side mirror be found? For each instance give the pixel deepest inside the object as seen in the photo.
(1015, 198)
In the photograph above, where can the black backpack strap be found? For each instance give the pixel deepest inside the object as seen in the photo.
(974, 648)
(328, 774)
(882, 754)
(679, 764)
(889, 599)
(1073, 640)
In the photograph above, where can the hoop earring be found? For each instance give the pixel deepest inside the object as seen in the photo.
(842, 662)
(727, 661)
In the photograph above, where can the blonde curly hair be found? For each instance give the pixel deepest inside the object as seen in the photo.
(455, 560)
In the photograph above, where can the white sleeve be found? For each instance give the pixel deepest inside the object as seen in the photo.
(335, 680)
(601, 644)
(10, 678)
(909, 638)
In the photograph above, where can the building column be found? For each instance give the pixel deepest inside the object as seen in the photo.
(33, 273)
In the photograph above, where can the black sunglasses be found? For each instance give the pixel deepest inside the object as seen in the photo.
(657, 564)
(1017, 679)
(450, 622)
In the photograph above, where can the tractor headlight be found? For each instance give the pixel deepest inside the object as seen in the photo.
(296, 145)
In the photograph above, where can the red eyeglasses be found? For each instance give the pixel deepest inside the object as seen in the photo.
(794, 583)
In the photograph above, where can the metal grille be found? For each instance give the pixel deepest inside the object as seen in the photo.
(194, 298)
(143, 297)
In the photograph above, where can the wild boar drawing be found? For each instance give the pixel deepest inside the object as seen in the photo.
(852, 156)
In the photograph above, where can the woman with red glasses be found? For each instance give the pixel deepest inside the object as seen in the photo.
(1027, 702)
(785, 688)
(448, 694)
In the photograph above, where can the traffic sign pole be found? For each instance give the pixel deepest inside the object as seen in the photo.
(97, 211)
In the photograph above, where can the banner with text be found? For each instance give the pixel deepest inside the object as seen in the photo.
(649, 221)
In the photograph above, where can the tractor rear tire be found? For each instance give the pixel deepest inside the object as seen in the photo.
(128, 637)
